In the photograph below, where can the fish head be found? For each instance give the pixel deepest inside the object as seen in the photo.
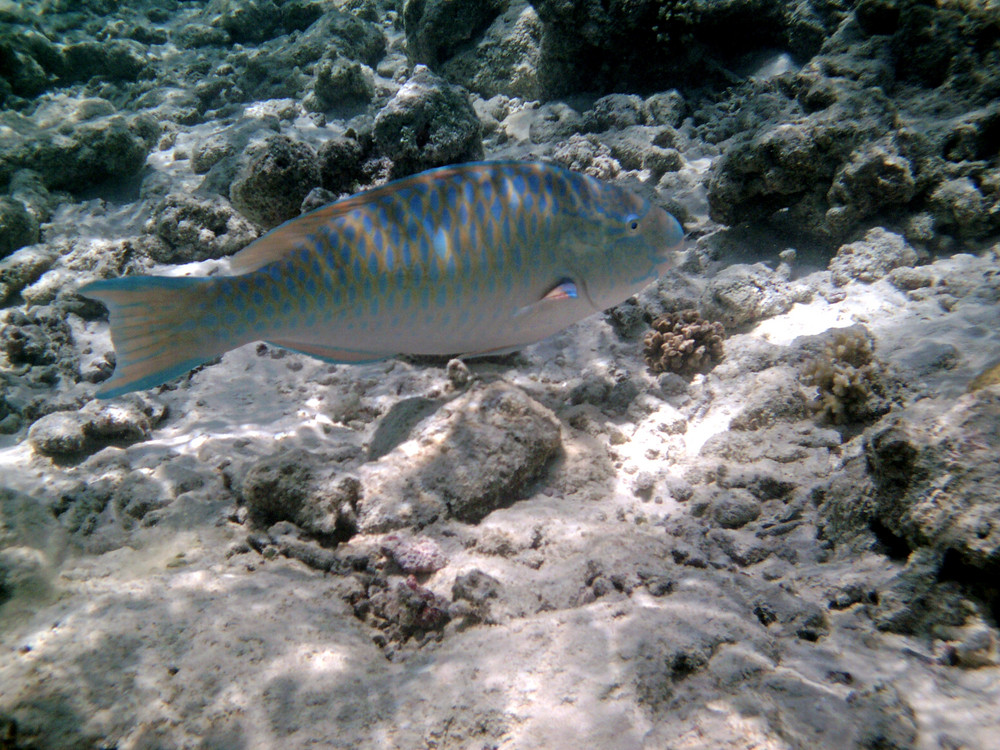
(636, 242)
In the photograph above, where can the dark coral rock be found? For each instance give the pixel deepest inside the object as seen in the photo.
(792, 166)
(592, 45)
(908, 457)
(735, 508)
(17, 227)
(475, 587)
(878, 16)
(776, 606)
(340, 83)
(615, 112)
(21, 71)
(341, 162)
(436, 29)
(196, 35)
(275, 177)
(967, 207)
(629, 319)
(276, 68)
(98, 148)
(874, 177)
(917, 602)
(884, 719)
(927, 41)
(288, 487)
(429, 123)
(79, 508)
(75, 144)
(503, 59)
(275, 489)
(37, 338)
(247, 20)
(115, 60)
(195, 228)
(683, 343)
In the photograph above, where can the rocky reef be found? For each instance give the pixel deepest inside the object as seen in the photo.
(620, 537)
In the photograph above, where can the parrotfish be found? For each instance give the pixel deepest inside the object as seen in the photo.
(467, 260)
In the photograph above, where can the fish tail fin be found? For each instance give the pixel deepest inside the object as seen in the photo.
(159, 328)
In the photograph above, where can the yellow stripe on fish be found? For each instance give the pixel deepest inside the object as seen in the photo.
(469, 259)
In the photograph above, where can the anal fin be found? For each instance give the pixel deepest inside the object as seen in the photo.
(329, 353)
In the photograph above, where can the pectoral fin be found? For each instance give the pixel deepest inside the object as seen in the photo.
(564, 290)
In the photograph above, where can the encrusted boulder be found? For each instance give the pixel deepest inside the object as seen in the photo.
(742, 294)
(436, 29)
(797, 165)
(195, 228)
(275, 176)
(295, 487)
(590, 45)
(245, 20)
(874, 177)
(75, 143)
(96, 425)
(279, 67)
(503, 59)
(477, 454)
(935, 478)
(116, 60)
(872, 258)
(17, 227)
(428, 123)
(340, 83)
(966, 207)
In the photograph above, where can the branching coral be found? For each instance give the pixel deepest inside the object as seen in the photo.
(848, 377)
(684, 343)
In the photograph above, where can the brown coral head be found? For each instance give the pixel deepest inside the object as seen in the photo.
(684, 343)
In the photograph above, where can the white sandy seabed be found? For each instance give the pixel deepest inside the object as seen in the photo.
(619, 617)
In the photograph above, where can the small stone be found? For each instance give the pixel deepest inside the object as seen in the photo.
(643, 484)
(459, 374)
(419, 554)
(58, 434)
(475, 587)
(735, 509)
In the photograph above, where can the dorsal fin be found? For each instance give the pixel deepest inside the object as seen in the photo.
(285, 238)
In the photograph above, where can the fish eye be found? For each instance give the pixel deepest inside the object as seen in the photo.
(632, 222)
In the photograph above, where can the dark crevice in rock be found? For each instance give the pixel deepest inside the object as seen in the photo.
(979, 583)
(892, 546)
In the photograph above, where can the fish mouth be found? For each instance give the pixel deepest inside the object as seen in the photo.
(672, 256)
